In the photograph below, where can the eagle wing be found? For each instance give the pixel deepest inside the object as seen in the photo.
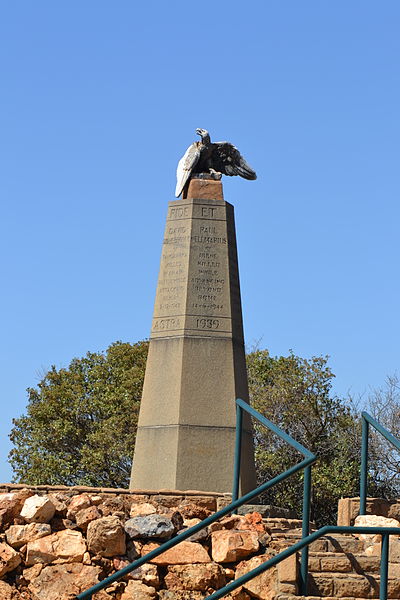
(185, 167)
(227, 159)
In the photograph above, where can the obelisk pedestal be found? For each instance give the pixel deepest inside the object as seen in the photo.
(196, 363)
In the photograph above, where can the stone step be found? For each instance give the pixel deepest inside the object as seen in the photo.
(337, 544)
(350, 585)
(347, 563)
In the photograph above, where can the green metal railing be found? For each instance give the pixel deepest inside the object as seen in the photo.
(367, 420)
(243, 406)
(305, 542)
(305, 464)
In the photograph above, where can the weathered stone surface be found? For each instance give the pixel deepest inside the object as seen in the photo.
(63, 546)
(180, 595)
(78, 503)
(142, 509)
(86, 515)
(106, 537)
(38, 509)
(375, 521)
(199, 577)
(231, 545)
(263, 586)
(19, 535)
(31, 573)
(11, 504)
(9, 559)
(7, 592)
(136, 590)
(200, 536)
(181, 554)
(61, 582)
(147, 574)
(150, 527)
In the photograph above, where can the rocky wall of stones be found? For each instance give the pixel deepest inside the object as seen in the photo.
(56, 544)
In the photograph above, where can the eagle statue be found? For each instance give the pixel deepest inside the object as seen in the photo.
(216, 158)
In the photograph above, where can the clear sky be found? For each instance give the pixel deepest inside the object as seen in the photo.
(98, 102)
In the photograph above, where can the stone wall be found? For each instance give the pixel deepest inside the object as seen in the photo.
(57, 541)
(348, 509)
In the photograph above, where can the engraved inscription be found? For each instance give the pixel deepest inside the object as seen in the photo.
(165, 324)
(204, 323)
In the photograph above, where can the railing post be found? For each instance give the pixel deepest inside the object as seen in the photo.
(238, 452)
(305, 530)
(384, 567)
(364, 466)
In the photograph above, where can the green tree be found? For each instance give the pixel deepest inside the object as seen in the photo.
(80, 424)
(295, 394)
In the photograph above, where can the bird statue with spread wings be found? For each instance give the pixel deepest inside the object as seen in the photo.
(211, 157)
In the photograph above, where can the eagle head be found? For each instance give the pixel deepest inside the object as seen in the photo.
(203, 133)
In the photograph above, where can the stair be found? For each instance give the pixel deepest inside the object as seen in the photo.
(343, 567)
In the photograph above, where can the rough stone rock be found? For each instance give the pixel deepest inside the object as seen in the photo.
(200, 536)
(200, 577)
(182, 554)
(263, 586)
(11, 504)
(142, 509)
(113, 506)
(65, 546)
(147, 574)
(180, 595)
(136, 590)
(373, 521)
(62, 582)
(77, 503)
(166, 501)
(86, 515)
(106, 537)
(9, 559)
(150, 527)
(31, 573)
(231, 545)
(60, 502)
(190, 510)
(19, 535)
(7, 592)
(38, 509)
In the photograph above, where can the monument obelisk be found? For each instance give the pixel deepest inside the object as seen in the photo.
(196, 363)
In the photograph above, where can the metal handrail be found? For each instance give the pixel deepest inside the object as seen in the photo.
(367, 420)
(304, 464)
(305, 542)
(243, 406)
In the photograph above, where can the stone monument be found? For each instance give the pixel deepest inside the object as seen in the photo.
(196, 363)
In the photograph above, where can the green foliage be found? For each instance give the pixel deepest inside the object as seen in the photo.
(80, 424)
(295, 394)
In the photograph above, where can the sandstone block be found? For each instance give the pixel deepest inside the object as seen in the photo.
(78, 503)
(61, 582)
(199, 577)
(181, 554)
(106, 537)
(150, 527)
(180, 595)
(375, 521)
(142, 509)
(147, 574)
(7, 592)
(9, 559)
(38, 509)
(136, 590)
(287, 570)
(359, 587)
(19, 535)
(65, 546)
(263, 586)
(231, 545)
(11, 504)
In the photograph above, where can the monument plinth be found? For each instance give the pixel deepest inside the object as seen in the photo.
(196, 363)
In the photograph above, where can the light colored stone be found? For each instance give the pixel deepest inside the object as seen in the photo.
(373, 521)
(7, 592)
(180, 595)
(196, 355)
(106, 537)
(11, 504)
(66, 546)
(147, 574)
(287, 570)
(9, 559)
(62, 582)
(199, 577)
(38, 509)
(231, 545)
(263, 586)
(19, 535)
(78, 503)
(31, 573)
(136, 590)
(142, 509)
(181, 554)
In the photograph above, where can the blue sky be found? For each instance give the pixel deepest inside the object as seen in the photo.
(98, 102)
